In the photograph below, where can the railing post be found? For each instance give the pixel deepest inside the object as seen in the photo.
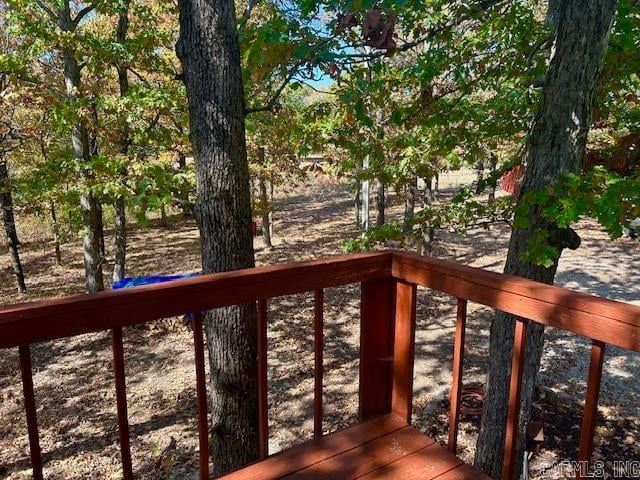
(121, 402)
(403, 350)
(201, 395)
(318, 350)
(376, 343)
(30, 409)
(456, 383)
(263, 403)
(515, 387)
(590, 405)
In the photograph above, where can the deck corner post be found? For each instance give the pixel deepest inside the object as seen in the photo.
(376, 347)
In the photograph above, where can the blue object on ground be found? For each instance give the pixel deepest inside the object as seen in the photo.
(129, 282)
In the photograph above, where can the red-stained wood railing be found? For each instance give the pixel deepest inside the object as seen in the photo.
(389, 283)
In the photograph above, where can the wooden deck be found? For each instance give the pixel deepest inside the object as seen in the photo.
(383, 444)
(382, 448)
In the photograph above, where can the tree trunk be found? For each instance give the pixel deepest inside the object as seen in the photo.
(263, 200)
(357, 202)
(265, 213)
(366, 196)
(6, 203)
(56, 233)
(185, 203)
(120, 231)
(380, 199)
(272, 201)
(410, 204)
(209, 51)
(81, 152)
(120, 207)
(427, 198)
(436, 186)
(556, 146)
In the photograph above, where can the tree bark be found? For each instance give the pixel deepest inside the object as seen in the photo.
(81, 152)
(209, 51)
(357, 202)
(120, 228)
(265, 208)
(6, 203)
(556, 146)
(380, 203)
(366, 196)
(410, 204)
(185, 203)
(56, 233)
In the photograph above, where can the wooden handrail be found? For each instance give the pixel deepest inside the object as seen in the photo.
(65, 317)
(608, 321)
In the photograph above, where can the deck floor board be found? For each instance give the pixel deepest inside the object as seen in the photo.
(382, 448)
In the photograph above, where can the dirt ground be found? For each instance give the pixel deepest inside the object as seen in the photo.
(74, 383)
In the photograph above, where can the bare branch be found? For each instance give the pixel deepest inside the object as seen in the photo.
(81, 14)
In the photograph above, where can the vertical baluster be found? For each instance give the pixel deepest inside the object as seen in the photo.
(591, 403)
(403, 350)
(30, 410)
(201, 395)
(318, 343)
(513, 412)
(263, 406)
(121, 402)
(456, 383)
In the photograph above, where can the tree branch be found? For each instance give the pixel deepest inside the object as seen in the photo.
(81, 14)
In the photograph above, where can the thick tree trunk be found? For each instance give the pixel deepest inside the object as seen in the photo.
(557, 145)
(410, 204)
(56, 233)
(120, 228)
(209, 51)
(80, 144)
(380, 203)
(6, 203)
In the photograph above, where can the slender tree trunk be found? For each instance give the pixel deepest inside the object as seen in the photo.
(436, 186)
(266, 212)
(56, 233)
(120, 230)
(427, 198)
(120, 206)
(410, 204)
(185, 203)
(263, 199)
(366, 197)
(493, 163)
(6, 203)
(357, 202)
(272, 201)
(380, 203)
(81, 152)
(209, 51)
(556, 147)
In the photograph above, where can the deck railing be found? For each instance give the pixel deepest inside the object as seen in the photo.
(389, 283)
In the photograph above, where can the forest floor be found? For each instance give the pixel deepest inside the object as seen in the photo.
(74, 384)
